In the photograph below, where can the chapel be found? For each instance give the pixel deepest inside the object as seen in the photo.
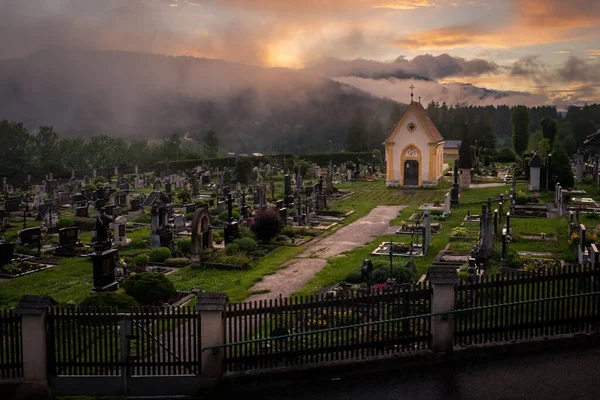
(414, 150)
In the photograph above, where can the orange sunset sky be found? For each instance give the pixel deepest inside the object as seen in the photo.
(550, 48)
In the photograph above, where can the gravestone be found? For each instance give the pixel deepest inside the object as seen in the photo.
(299, 181)
(31, 236)
(454, 193)
(283, 215)
(179, 223)
(110, 209)
(535, 168)
(68, 239)
(231, 228)
(50, 218)
(447, 205)
(38, 200)
(104, 259)
(161, 236)
(287, 192)
(201, 235)
(579, 166)
(12, 204)
(120, 231)
(82, 212)
(135, 205)
(6, 253)
(190, 208)
(63, 198)
(426, 231)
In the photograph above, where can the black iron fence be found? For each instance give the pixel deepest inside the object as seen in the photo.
(350, 325)
(570, 304)
(103, 342)
(11, 345)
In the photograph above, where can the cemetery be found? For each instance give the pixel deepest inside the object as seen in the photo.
(196, 225)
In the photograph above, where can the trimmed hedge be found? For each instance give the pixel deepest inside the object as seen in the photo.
(149, 288)
(178, 165)
(122, 301)
(141, 260)
(338, 158)
(246, 244)
(160, 254)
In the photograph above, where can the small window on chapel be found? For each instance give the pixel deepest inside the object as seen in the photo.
(412, 127)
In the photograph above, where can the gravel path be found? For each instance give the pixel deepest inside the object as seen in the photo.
(301, 269)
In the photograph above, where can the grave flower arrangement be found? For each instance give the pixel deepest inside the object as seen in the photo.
(400, 247)
(540, 264)
(325, 319)
(590, 238)
(459, 232)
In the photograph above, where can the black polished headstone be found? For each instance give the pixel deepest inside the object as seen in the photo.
(104, 263)
(6, 253)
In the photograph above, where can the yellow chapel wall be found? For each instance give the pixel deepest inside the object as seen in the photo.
(401, 140)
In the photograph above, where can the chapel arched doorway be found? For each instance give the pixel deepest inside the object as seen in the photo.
(411, 173)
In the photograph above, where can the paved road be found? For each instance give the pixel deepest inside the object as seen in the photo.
(564, 374)
(301, 269)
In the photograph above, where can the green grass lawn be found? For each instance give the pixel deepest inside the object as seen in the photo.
(72, 279)
(235, 283)
(470, 201)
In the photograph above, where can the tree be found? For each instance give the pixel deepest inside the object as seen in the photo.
(46, 150)
(266, 224)
(561, 168)
(376, 133)
(487, 136)
(520, 123)
(243, 169)
(377, 155)
(15, 144)
(185, 196)
(549, 130)
(72, 154)
(356, 141)
(170, 147)
(534, 139)
(543, 148)
(210, 144)
(568, 144)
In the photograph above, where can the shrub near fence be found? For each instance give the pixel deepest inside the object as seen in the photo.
(532, 309)
(324, 329)
(11, 345)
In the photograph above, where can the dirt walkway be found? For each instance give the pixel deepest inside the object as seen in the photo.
(301, 269)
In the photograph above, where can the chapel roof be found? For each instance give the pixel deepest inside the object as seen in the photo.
(428, 125)
(535, 162)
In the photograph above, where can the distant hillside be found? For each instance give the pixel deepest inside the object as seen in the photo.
(85, 93)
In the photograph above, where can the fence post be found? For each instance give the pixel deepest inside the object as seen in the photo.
(442, 280)
(33, 310)
(212, 332)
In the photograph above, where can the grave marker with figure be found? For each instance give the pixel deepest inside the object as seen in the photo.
(201, 235)
(104, 259)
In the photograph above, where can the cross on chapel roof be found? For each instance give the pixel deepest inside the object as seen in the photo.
(411, 92)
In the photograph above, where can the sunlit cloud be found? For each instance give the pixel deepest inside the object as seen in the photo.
(405, 5)
(530, 22)
(561, 52)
